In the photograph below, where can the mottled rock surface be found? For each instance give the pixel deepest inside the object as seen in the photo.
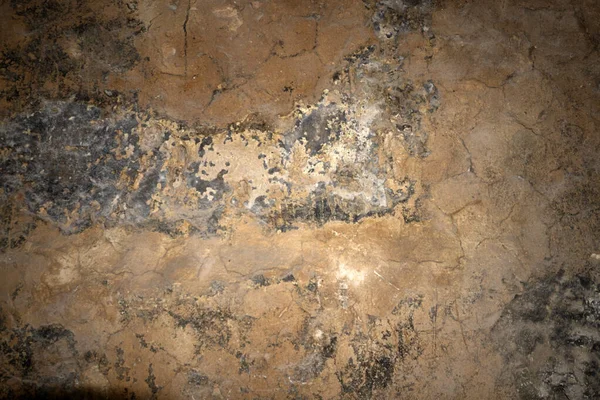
(300, 199)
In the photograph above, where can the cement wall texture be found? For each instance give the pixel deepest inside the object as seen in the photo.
(300, 199)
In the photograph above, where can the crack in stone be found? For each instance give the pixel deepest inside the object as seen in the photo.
(185, 37)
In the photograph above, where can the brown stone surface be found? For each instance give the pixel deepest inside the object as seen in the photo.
(211, 62)
(300, 199)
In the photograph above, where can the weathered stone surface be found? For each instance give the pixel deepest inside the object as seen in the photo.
(299, 199)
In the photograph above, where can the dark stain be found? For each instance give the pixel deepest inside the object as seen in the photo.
(261, 204)
(205, 144)
(253, 122)
(138, 207)
(330, 348)
(37, 13)
(216, 287)
(42, 66)
(364, 376)
(320, 126)
(404, 101)
(121, 371)
(142, 340)
(218, 186)
(211, 326)
(197, 378)
(361, 56)
(394, 18)
(244, 363)
(70, 168)
(66, 163)
(102, 42)
(371, 370)
(151, 381)
(322, 206)
(260, 281)
(379, 373)
(25, 349)
(559, 312)
(14, 227)
(49, 334)
(408, 342)
(313, 285)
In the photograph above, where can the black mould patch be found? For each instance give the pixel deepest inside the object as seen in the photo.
(405, 102)
(380, 372)
(104, 46)
(213, 189)
(366, 374)
(212, 327)
(198, 379)
(49, 334)
(396, 17)
(316, 128)
(323, 206)
(151, 382)
(260, 280)
(23, 348)
(371, 370)
(68, 162)
(14, 229)
(74, 167)
(562, 314)
(205, 144)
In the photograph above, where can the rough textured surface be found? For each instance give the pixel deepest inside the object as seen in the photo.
(300, 199)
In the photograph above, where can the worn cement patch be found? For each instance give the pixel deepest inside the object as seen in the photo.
(383, 199)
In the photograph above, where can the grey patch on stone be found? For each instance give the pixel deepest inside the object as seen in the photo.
(315, 129)
(323, 206)
(216, 287)
(197, 378)
(260, 280)
(206, 143)
(74, 167)
(309, 368)
(217, 185)
(14, 228)
(432, 95)
(64, 162)
(26, 351)
(261, 203)
(138, 208)
(404, 102)
(415, 140)
(563, 314)
(395, 17)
